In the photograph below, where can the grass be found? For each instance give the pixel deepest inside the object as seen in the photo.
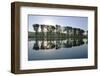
(52, 36)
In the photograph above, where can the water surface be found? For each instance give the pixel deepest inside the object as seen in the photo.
(57, 49)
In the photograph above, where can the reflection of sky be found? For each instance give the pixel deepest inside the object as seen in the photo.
(76, 22)
(75, 52)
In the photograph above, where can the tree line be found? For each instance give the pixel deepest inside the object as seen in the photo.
(51, 31)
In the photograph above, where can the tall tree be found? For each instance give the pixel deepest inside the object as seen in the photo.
(82, 31)
(68, 31)
(53, 28)
(57, 31)
(36, 27)
(42, 30)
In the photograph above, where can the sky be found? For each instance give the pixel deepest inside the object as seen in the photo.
(75, 22)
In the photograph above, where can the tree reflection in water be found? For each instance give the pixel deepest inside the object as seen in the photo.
(57, 44)
(36, 45)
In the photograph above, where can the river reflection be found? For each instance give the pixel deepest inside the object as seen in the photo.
(60, 49)
(57, 44)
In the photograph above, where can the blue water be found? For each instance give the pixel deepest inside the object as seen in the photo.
(63, 49)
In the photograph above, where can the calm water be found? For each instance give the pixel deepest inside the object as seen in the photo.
(57, 49)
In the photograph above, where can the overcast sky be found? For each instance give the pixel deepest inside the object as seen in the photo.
(75, 22)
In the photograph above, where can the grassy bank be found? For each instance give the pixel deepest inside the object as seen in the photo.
(52, 35)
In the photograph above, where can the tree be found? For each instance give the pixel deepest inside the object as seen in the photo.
(36, 26)
(53, 28)
(74, 32)
(48, 28)
(81, 32)
(42, 30)
(57, 31)
(78, 32)
(68, 31)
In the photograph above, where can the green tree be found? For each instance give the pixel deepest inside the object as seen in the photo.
(58, 31)
(42, 30)
(36, 27)
(68, 31)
